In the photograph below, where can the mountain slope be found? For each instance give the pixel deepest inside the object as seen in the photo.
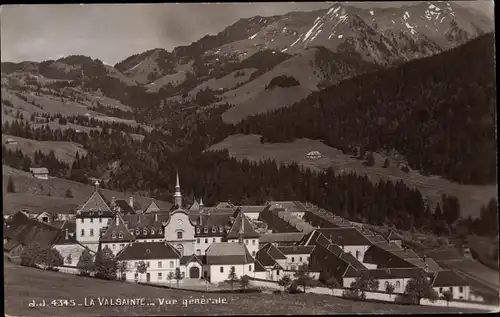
(438, 112)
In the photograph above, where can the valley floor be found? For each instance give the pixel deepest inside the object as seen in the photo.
(24, 285)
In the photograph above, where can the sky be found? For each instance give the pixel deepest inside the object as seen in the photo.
(112, 32)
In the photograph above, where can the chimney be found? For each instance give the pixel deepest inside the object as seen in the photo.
(156, 217)
(67, 234)
(117, 220)
(96, 184)
(131, 202)
(201, 202)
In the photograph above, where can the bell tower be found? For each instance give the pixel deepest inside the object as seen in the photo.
(177, 195)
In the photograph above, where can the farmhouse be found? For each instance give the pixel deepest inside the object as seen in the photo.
(39, 172)
(313, 155)
(10, 141)
(296, 256)
(450, 281)
(398, 277)
(221, 257)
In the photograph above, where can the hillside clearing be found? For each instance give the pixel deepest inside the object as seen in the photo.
(52, 285)
(64, 151)
(471, 197)
(32, 193)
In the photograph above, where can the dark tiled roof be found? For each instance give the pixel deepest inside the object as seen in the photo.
(432, 266)
(291, 206)
(29, 230)
(349, 258)
(153, 207)
(146, 226)
(248, 230)
(148, 251)
(117, 231)
(389, 246)
(281, 237)
(335, 249)
(213, 222)
(259, 267)
(376, 239)
(228, 253)
(268, 254)
(11, 244)
(448, 278)
(255, 209)
(345, 236)
(63, 225)
(192, 258)
(296, 249)
(124, 207)
(95, 206)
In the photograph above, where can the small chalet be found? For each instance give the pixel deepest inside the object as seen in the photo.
(450, 281)
(39, 172)
(222, 256)
(313, 155)
(10, 142)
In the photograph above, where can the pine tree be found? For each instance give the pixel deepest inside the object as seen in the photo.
(231, 278)
(10, 185)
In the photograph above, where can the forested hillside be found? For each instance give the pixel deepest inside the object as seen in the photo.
(438, 112)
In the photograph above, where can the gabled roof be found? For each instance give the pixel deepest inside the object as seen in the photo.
(153, 207)
(448, 278)
(268, 254)
(148, 251)
(226, 253)
(248, 230)
(117, 231)
(124, 207)
(296, 249)
(432, 266)
(27, 230)
(281, 237)
(393, 235)
(345, 236)
(349, 258)
(63, 225)
(95, 205)
(259, 267)
(185, 260)
(195, 206)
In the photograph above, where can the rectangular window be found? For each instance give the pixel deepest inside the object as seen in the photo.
(83, 220)
(159, 276)
(222, 269)
(461, 289)
(247, 242)
(250, 268)
(159, 264)
(147, 264)
(214, 240)
(440, 289)
(91, 220)
(277, 272)
(206, 240)
(179, 234)
(300, 259)
(171, 264)
(136, 276)
(122, 245)
(100, 220)
(253, 242)
(197, 240)
(293, 259)
(114, 246)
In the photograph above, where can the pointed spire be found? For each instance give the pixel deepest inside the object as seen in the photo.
(178, 195)
(242, 228)
(201, 202)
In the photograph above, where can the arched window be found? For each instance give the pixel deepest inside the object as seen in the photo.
(137, 232)
(83, 233)
(152, 231)
(120, 235)
(91, 232)
(113, 235)
(160, 231)
(213, 229)
(145, 231)
(179, 234)
(206, 230)
(197, 230)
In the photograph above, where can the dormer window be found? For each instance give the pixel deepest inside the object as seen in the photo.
(213, 230)
(148, 251)
(197, 230)
(160, 231)
(91, 212)
(120, 235)
(221, 229)
(100, 212)
(206, 230)
(145, 231)
(137, 232)
(152, 231)
(113, 235)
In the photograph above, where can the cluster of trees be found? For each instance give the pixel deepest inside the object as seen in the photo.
(282, 81)
(302, 278)
(38, 255)
(113, 112)
(16, 159)
(448, 130)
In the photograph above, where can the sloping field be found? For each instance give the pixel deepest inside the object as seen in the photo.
(33, 193)
(19, 292)
(173, 79)
(227, 82)
(64, 151)
(432, 187)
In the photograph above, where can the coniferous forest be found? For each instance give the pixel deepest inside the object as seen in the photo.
(439, 112)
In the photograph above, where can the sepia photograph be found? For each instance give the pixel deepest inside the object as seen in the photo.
(265, 158)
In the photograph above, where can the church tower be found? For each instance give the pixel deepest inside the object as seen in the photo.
(177, 195)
